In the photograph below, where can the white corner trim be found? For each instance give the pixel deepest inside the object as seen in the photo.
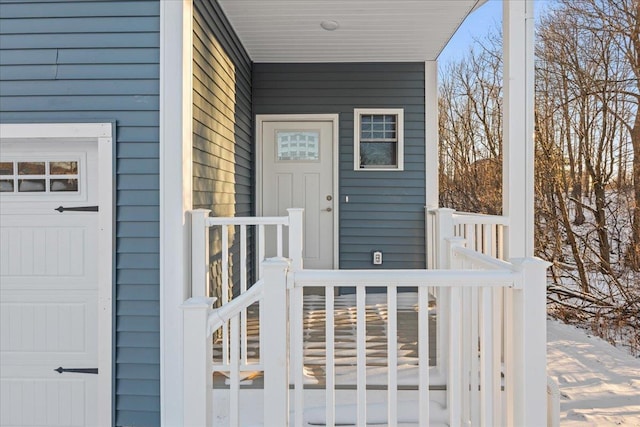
(101, 134)
(334, 118)
(176, 34)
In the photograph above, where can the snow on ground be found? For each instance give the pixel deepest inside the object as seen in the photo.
(599, 384)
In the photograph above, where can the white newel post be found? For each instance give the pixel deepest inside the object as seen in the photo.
(452, 363)
(276, 372)
(444, 225)
(444, 232)
(197, 362)
(529, 319)
(295, 237)
(199, 253)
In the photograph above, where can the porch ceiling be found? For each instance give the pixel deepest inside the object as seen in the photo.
(369, 30)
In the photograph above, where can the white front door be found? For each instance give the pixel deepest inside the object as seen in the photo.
(297, 172)
(49, 285)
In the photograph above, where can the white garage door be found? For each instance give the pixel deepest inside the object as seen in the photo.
(49, 286)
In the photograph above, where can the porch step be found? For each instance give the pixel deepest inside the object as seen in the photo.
(252, 407)
(346, 415)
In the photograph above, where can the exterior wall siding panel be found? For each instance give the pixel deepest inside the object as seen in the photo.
(385, 209)
(75, 61)
(222, 128)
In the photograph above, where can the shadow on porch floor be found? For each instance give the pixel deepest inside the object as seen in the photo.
(314, 328)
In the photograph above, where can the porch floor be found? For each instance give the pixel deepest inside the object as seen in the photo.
(314, 330)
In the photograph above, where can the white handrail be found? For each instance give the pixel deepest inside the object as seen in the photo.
(239, 220)
(485, 260)
(220, 315)
(473, 218)
(406, 278)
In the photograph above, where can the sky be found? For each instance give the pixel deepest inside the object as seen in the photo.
(476, 26)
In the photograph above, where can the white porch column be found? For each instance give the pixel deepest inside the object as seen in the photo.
(518, 134)
(525, 309)
(431, 133)
(176, 107)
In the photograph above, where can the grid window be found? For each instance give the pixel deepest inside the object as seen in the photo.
(39, 176)
(378, 139)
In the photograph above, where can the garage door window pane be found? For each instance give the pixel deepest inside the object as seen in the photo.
(63, 168)
(31, 185)
(64, 185)
(6, 168)
(31, 168)
(6, 186)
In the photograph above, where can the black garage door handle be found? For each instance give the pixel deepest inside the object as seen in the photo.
(77, 209)
(77, 370)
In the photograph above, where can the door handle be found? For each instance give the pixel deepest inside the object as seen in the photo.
(77, 370)
(328, 209)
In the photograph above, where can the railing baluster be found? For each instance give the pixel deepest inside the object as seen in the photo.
(279, 240)
(243, 289)
(474, 384)
(454, 385)
(392, 355)
(470, 236)
(423, 356)
(261, 250)
(487, 356)
(261, 316)
(330, 359)
(500, 243)
(509, 354)
(498, 352)
(225, 291)
(466, 354)
(297, 352)
(361, 338)
(234, 374)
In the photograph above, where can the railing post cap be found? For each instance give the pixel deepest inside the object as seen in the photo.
(200, 211)
(530, 262)
(290, 210)
(198, 302)
(456, 241)
(276, 261)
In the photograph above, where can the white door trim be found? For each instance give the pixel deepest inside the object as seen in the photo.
(100, 133)
(334, 118)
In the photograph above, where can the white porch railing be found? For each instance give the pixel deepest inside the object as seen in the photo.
(481, 347)
(482, 233)
(229, 229)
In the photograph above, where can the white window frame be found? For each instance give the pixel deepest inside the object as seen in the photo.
(357, 118)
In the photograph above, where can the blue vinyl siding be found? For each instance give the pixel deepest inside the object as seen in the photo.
(75, 61)
(385, 209)
(222, 127)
